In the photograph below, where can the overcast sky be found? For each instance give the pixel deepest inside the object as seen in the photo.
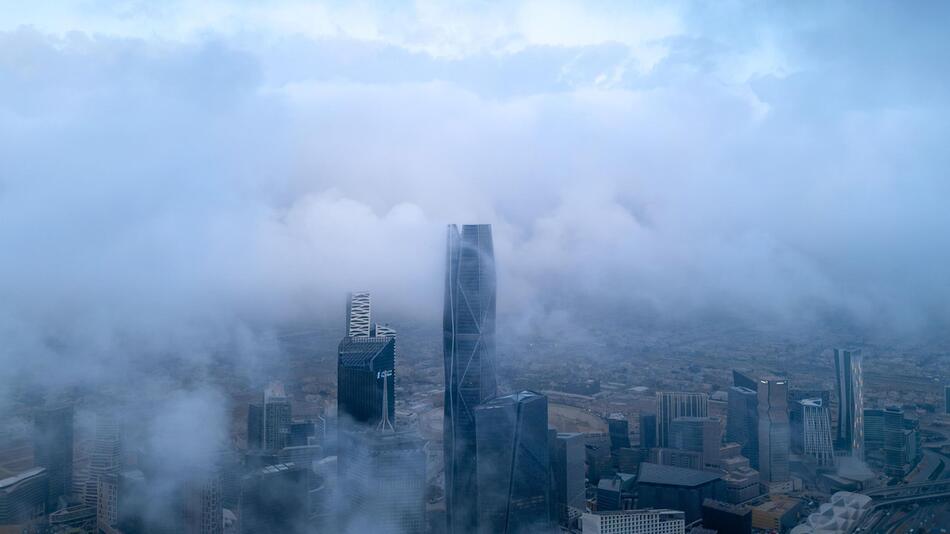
(173, 172)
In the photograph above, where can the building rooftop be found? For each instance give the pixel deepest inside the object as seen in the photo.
(360, 351)
(668, 475)
(513, 398)
(20, 477)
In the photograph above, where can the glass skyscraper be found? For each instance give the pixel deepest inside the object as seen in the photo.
(513, 464)
(773, 429)
(469, 356)
(850, 386)
(53, 449)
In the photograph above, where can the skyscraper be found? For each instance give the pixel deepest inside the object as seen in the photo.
(568, 466)
(619, 431)
(106, 455)
(274, 500)
(816, 437)
(850, 388)
(698, 434)
(774, 435)
(365, 382)
(742, 422)
(53, 449)
(512, 471)
(895, 443)
(468, 327)
(268, 423)
(384, 484)
(673, 404)
(647, 430)
(946, 399)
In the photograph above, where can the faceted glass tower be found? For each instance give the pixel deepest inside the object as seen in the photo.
(513, 464)
(773, 429)
(468, 328)
(850, 386)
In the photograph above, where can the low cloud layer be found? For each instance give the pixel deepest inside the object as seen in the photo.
(174, 178)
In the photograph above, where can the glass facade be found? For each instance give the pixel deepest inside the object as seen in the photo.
(850, 389)
(513, 463)
(469, 358)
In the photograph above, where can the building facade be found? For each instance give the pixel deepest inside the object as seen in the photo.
(634, 522)
(849, 383)
(512, 470)
(673, 404)
(742, 421)
(816, 436)
(773, 430)
(468, 329)
(53, 449)
(567, 463)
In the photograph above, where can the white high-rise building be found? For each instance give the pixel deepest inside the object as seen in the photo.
(634, 522)
(358, 314)
(816, 432)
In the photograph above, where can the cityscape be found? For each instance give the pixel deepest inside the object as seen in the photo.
(540, 452)
(527, 267)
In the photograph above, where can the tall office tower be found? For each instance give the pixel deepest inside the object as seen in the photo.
(123, 500)
(358, 314)
(774, 433)
(619, 431)
(512, 471)
(673, 404)
(873, 430)
(568, 466)
(850, 388)
(201, 507)
(895, 442)
(106, 455)
(816, 434)
(385, 474)
(268, 422)
(742, 422)
(647, 430)
(274, 500)
(365, 383)
(468, 334)
(946, 399)
(53, 449)
(698, 434)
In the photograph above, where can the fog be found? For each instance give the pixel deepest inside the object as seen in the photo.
(177, 181)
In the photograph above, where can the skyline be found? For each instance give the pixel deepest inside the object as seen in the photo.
(670, 215)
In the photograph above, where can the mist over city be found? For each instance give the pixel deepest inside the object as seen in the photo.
(448, 267)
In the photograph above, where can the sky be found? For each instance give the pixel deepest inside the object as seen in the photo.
(177, 175)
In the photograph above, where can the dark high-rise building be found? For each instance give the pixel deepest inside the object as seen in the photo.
(773, 429)
(661, 486)
(850, 389)
(742, 422)
(616, 492)
(946, 399)
(569, 487)
(895, 442)
(468, 328)
(274, 500)
(512, 470)
(725, 517)
(365, 387)
(647, 430)
(619, 431)
(673, 404)
(53, 449)
(268, 423)
(873, 422)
